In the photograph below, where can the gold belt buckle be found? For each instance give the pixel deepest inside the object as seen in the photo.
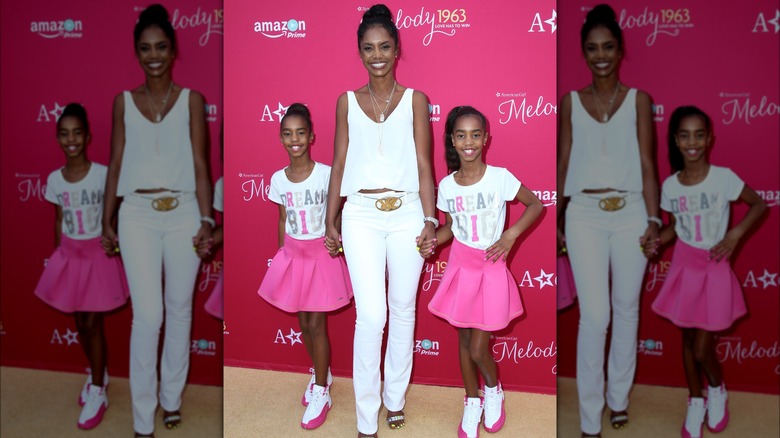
(612, 203)
(388, 203)
(165, 203)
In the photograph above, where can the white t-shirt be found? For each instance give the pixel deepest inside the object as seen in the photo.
(701, 211)
(81, 202)
(219, 194)
(305, 202)
(478, 211)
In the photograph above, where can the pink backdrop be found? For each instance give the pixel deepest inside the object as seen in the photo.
(723, 60)
(500, 59)
(54, 53)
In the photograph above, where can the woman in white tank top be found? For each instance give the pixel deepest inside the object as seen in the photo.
(610, 197)
(159, 168)
(382, 165)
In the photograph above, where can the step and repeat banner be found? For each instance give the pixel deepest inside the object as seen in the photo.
(54, 53)
(723, 59)
(498, 57)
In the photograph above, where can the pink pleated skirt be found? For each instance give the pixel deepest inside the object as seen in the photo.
(214, 305)
(474, 293)
(304, 277)
(698, 292)
(566, 289)
(80, 277)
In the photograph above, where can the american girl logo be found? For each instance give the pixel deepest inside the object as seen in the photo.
(516, 109)
(509, 348)
(210, 274)
(67, 28)
(30, 187)
(745, 110)
(442, 21)
(766, 278)
(544, 279)
(432, 272)
(210, 20)
(254, 189)
(733, 349)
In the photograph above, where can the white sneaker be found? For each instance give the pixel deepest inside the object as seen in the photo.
(307, 394)
(85, 388)
(717, 408)
(95, 405)
(318, 408)
(472, 413)
(697, 407)
(494, 408)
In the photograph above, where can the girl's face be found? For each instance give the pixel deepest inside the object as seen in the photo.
(469, 137)
(602, 52)
(154, 52)
(693, 138)
(72, 136)
(295, 136)
(378, 51)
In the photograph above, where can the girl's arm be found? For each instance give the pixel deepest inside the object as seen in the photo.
(725, 247)
(533, 208)
(333, 210)
(665, 236)
(443, 235)
(282, 223)
(644, 133)
(109, 240)
(57, 225)
(422, 142)
(564, 152)
(202, 180)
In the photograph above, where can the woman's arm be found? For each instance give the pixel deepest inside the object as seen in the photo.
(200, 160)
(422, 142)
(340, 145)
(725, 247)
(109, 240)
(564, 152)
(533, 208)
(644, 132)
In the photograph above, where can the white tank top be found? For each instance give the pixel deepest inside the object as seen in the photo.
(157, 154)
(394, 165)
(604, 154)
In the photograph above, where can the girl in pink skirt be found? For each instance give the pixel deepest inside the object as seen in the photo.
(701, 294)
(477, 293)
(214, 305)
(303, 277)
(79, 277)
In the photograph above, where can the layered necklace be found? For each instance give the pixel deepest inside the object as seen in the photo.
(152, 107)
(604, 115)
(380, 116)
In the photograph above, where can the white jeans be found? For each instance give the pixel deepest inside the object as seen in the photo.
(373, 239)
(599, 243)
(151, 240)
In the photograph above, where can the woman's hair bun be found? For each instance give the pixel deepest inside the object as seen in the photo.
(378, 11)
(601, 14)
(154, 14)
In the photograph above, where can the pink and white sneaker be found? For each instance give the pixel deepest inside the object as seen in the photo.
(307, 394)
(85, 388)
(317, 411)
(472, 414)
(717, 408)
(495, 415)
(95, 405)
(697, 407)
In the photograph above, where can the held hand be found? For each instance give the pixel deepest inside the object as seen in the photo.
(724, 248)
(109, 241)
(649, 242)
(426, 247)
(561, 243)
(202, 241)
(501, 248)
(427, 235)
(333, 241)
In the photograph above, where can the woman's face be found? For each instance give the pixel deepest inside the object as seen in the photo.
(378, 51)
(602, 52)
(154, 52)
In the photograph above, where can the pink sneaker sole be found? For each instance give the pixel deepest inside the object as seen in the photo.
(303, 397)
(499, 424)
(462, 433)
(723, 422)
(94, 421)
(318, 420)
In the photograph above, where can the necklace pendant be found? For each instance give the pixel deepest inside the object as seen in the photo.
(605, 118)
(158, 118)
(381, 117)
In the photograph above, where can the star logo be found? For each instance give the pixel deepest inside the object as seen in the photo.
(294, 337)
(281, 111)
(776, 21)
(57, 111)
(552, 21)
(544, 279)
(498, 94)
(71, 337)
(768, 279)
